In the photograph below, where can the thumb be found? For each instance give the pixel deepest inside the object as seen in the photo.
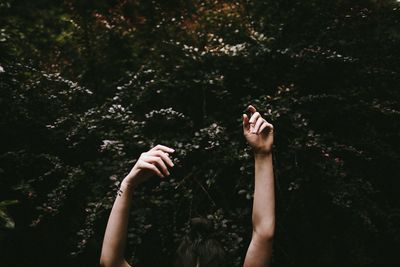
(246, 124)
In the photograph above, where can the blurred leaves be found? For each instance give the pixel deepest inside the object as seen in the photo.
(87, 86)
(6, 221)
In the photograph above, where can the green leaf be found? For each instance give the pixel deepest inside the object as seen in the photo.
(6, 221)
(6, 203)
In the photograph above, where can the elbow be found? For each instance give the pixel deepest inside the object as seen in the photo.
(110, 259)
(106, 262)
(102, 263)
(263, 236)
(264, 232)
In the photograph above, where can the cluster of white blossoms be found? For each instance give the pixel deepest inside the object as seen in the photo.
(107, 143)
(118, 112)
(219, 47)
(115, 145)
(256, 36)
(166, 113)
(233, 50)
(73, 86)
(116, 108)
(318, 51)
(139, 78)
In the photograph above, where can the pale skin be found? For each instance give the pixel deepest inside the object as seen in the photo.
(259, 135)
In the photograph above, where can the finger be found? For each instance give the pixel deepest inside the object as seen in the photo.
(159, 164)
(260, 121)
(163, 148)
(164, 156)
(151, 167)
(254, 117)
(251, 109)
(246, 124)
(264, 126)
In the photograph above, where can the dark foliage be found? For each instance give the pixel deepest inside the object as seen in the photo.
(86, 86)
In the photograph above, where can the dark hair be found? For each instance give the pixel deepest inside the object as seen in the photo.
(199, 248)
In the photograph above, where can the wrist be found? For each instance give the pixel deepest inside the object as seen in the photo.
(128, 183)
(263, 157)
(132, 179)
(258, 155)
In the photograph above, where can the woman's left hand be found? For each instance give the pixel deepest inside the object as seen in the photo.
(156, 161)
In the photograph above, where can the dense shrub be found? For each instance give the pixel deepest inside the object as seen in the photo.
(86, 86)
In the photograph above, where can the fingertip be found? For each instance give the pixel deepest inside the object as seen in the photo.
(251, 108)
(245, 121)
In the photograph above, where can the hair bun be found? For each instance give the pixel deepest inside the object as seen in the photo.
(200, 227)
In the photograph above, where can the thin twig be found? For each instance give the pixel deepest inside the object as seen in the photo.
(205, 191)
(183, 180)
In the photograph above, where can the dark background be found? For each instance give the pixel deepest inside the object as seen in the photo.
(86, 86)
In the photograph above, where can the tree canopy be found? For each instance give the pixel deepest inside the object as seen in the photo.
(86, 86)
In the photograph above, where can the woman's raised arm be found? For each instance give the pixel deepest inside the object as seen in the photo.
(260, 136)
(154, 161)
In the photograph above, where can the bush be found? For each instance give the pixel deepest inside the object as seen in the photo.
(86, 87)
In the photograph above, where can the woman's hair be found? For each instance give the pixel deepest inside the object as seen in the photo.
(199, 248)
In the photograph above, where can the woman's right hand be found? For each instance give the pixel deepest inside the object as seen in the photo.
(258, 132)
(154, 161)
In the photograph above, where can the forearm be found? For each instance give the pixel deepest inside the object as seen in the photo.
(152, 162)
(260, 135)
(112, 253)
(264, 197)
